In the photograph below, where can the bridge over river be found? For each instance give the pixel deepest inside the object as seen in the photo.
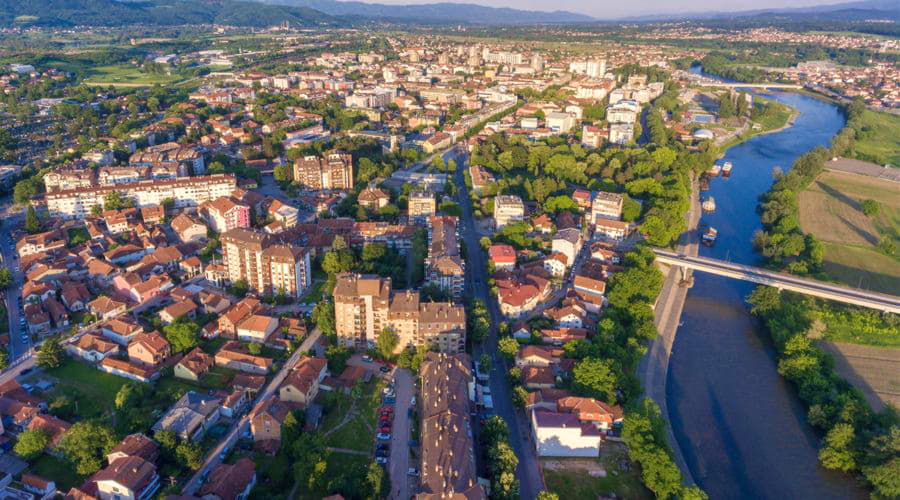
(872, 300)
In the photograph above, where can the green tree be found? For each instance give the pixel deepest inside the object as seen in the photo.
(31, 443)
(484, 363)
(520, 396)
(115, 201)
(885, 478)
(323, 316)
(283, 173)
(4, 360)
(546, 495)
(337, 356)
(32, 222)
(6, 278)
(190, 454)
(508, 347)
(86, 445)
(764, 299)
(838, 452)
(596, 378)
(870, 208)
(50, 353)
(182, 335)
(386, 343)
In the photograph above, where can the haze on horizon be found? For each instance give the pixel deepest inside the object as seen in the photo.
(612, 10)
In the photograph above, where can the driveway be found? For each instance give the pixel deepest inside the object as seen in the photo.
(404, 385)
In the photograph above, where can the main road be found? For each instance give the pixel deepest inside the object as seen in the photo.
(529, 470)
(19, 344)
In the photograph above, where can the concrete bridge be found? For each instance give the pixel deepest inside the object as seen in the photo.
(872, 300)
(753, 85)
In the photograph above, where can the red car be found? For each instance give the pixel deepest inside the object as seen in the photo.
(389, 409)
(385, 418)
(385, 430)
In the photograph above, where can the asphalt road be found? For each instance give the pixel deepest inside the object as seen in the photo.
(404, 386)
(243, 425)
(19, 344)
(528, 471)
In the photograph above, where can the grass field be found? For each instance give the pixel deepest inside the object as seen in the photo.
(60, 471)
(880, 140)
(358, 433)
(830, 210)
(93, 391)
(126, 74)
(572, 479)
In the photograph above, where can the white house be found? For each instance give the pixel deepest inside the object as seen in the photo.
(563, 435)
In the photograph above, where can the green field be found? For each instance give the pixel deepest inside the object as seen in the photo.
(879, 141)
(830, 210)
(571, 478)
(93, 391)
(126, 74)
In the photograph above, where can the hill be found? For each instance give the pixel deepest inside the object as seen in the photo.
(155, 12)
(445, 12)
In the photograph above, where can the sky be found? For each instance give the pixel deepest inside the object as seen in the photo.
(612, 9)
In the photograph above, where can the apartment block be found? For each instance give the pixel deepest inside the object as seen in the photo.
(508, 208)
(334, 171)
(606, 206)
(225, 213)
(365, 305)
(267, 265)
(421, 205)
(184, 191)
(444, 267)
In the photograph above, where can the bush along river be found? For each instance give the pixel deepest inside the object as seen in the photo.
(741, 428)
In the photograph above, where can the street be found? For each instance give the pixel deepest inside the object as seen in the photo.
(243, 425)
(18, 344)
(404, 386)
(529, 470)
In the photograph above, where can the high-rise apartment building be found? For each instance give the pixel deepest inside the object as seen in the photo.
(334, 171)
(508, 208)
(266, 265)
(365, 305)
(606, 206)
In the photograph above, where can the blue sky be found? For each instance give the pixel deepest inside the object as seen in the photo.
(612, 9)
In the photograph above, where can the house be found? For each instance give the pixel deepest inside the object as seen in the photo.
(257, 328)
(373, 198)
(192, 266)
(193, 365)
(128, 370)
(105, 308)
(229, 321)
(266, 420)
(252, 384)
(612, 229)
(181, 309)
(75, 296)
(212, 302)
(556, 264)
(537, 356)
(591, 411)
(235, 403)
(188, 228)
(302, 384)
(571, 316)
(149, 349)
(134, 445)
(563, 435)
(92, 347)
(121, 330)
(190, 416)
(233, 355)
(538, 377)
(53, 427)
(502, 256)
(560, 336)
(37, 485)
(129, 478)
(230, 482)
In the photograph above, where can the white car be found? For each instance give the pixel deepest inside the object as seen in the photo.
(412, 472)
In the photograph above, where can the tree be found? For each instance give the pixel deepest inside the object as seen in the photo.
(4, 360)
(239, 288)
(885, 478)
(283, 173)
(838, 451)
(182, 335)
(50, 354)
(190, 454)
(337, 356)
(6, 278)
(520, 396)
(508, 347)
(86, 445)
(764, 299)
(484, 363)
(127, 395)
(386, 343)
(323, 317)
(31, 443)
(887, 246)
(115, 201)
(595, 377)
(870, 207)
(546, 495)
(32, 222)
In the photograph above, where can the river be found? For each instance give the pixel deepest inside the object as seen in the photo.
(741, 428)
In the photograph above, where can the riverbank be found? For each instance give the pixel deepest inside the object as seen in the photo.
(741, 138)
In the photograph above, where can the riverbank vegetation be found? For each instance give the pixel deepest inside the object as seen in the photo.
(856, 439)
(878, 139)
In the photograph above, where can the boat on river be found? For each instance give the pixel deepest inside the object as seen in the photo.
(709, 236)
(714, 170)
(726, 168)
(709, 204)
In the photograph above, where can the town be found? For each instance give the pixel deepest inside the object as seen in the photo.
(339, 263)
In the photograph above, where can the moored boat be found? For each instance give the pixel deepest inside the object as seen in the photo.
(709, 236)
(726, 168)
(709, 204)
(714, 170)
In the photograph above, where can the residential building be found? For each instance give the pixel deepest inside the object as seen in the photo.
(268, 267)
(266, 420)
(129, 478)
(563, 435)
(302, 384)
(257, 328)
(606, 205)
(481, 178)
(507, 208)
(188, 228)
(365, 305)
(194, 365)
(421, 205)
(612, 229)
(92, 347)
(448, 450)
(373, 198)
(592, 136)
(621, 133)
(129, 370)
(568, 242)
(560, 122)
(225, 213)
(444, 267)
(184, 191)
(334, 171)
(190, 416)
(134, 445)
(502, 256)
(149, 349)
(230, 481)
(232, 355)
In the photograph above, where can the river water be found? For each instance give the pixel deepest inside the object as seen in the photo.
(741, 428)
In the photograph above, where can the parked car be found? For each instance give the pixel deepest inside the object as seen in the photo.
(384, 369)
(366, 358)
(412, 471)
(390, 400)
(382, 453)
(382, 460)
(383, 436)
(383, 446)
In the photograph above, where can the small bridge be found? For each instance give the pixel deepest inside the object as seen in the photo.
(781, 281)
